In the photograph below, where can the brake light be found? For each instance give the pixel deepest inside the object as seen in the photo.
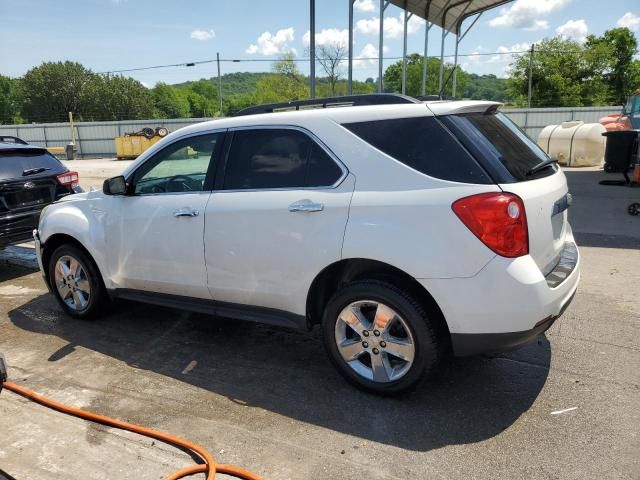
(498, 220)
(68, 178)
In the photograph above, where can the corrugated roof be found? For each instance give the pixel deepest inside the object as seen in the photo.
(447, 13)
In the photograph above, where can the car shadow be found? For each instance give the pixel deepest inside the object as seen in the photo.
(598, 215)
(10, 272)
(287, 372)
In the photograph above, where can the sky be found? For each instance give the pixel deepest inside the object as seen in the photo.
(108, 35)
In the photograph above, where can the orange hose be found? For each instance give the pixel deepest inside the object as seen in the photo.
(209, 467)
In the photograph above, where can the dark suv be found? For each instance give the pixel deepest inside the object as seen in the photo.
(30, 179)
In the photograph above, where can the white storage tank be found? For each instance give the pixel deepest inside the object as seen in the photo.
(574, 144)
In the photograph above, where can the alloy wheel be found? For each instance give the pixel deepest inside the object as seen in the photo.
(72, 283)
(375, 341)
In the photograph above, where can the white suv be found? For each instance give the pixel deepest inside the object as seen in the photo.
(404, 229)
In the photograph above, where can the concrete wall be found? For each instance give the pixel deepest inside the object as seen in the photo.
(95, 139)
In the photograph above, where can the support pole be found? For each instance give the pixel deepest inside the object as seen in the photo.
(459, 38)
(444, 9)
(404, 49)
(530, 74)
(407, 17)
(425, 58)
(219, 82)
(441, 76)
(73, 131)
(455, 68)
(381, 45)
(350, 68)
(312, 48)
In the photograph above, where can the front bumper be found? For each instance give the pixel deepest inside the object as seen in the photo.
(508, 303)
(38, 248)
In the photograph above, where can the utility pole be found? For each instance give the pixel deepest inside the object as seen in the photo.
(312, 48)
(530, 74)
(219, 81)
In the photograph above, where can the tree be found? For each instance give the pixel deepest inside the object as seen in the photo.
(616, 49)
(393, 77)
(9, 107)
(48, 92)
(331, 59)
(115, 97)
(487, 87)
(564, 74)
(170, 102)
(285, 84)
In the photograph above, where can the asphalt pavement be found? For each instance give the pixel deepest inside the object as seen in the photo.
(566, 406)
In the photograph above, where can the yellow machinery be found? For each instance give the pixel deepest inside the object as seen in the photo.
(131, 145)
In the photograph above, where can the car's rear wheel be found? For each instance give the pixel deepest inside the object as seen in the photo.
(75, 282)
(380, 338)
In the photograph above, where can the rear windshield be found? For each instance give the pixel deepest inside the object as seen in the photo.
(502, 148)
(423, 144)
(13, 163)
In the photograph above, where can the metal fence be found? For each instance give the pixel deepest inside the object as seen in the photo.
(96, 139)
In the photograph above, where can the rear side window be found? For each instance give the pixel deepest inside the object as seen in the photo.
(505, 150)
(278, 158)
(14, 163)
(423, 144)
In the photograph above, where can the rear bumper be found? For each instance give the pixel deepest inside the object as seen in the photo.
(508, 303)
(17, 228)
(476, 343)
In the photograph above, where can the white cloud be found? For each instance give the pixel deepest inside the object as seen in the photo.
(364, 6)
(528, 14)
(368, 56)
(631, 21)
(505, 54)
(268, 44)
(574, 29)
(393, 26)
(328, 36)
(474, 58)
(198, 34)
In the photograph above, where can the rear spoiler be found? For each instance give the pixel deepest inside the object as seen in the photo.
(465, 106)
(19, 150)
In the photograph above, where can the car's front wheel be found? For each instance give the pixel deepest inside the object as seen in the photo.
(380, 338)
(76, 282)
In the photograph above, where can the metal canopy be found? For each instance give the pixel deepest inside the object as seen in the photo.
(447, 14)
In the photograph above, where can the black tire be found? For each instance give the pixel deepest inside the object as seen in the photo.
(609, 168)
(98, 295)
(162, 131)
(428, 346)
(634, 209)
(148, 132)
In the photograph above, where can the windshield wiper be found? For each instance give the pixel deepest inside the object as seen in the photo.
(34, 171)
(541, 166)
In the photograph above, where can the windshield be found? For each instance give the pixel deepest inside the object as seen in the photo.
(495, 140)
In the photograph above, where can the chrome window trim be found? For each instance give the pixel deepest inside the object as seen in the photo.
(313, 137)
(183, 137)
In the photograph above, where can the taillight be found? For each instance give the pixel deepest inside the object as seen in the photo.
(498, 220)
(68, 178)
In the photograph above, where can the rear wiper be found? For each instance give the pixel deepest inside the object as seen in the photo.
(33, 171)
(541, 166)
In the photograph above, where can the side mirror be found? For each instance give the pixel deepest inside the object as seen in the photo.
(115, 186)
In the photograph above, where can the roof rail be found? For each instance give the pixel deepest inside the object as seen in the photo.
(329, 102)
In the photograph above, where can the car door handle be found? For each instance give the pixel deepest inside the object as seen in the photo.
(186, 212)
(306, 206)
